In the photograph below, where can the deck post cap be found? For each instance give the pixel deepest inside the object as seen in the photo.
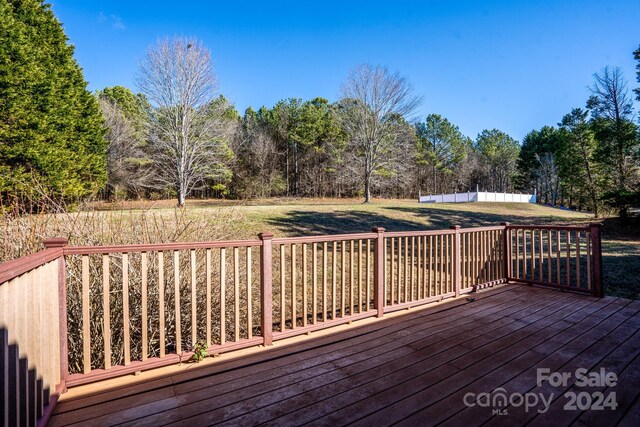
(265, 235)
(55, 242)
(455, 227)
(378, 229)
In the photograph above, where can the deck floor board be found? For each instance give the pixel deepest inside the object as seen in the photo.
(413, 369)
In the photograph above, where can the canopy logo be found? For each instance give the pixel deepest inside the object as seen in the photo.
(572, 386)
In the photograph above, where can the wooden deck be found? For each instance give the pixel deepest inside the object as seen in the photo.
(413, 369)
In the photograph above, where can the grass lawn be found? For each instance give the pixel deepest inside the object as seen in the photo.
(295, 217)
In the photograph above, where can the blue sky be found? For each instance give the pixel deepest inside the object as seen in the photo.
(512, 65)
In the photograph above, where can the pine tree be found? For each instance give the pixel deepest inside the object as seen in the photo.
(51, 129)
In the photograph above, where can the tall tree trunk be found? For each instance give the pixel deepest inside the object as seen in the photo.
(367, 187)
(181, 196)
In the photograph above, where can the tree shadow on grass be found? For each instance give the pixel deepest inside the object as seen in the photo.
(443, 218)
(305, 223)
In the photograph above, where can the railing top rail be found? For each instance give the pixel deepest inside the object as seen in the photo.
(17, 267)
(156, 247)
(418, 233)
(324, 238)
(549, 227)
(489, 228)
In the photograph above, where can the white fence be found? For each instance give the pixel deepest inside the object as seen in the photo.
(478, 196)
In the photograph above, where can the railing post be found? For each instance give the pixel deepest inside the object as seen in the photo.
(266, 281)
(378, 272)
(506, 250)
(456, 259)
(62, 307)
(596, 247)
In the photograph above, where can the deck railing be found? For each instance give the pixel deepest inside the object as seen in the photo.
(71, 315)
(566, 257)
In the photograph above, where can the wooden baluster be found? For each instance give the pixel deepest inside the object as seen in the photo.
(442, 259)
(549, 255)
(143, 290)
(384, 270)
(411, 266)
(578, 258)
(334, 265)
(351, 272)
(541, 256)
(378, 275)
(558, 256)
(568, 244)
(463, 260)
(524, 254)
(368, 300)
(596, 248)
(208, 295)
(436, 266)
(125, 309)
(430, 282)
(419, 288)
(343, 277)
(161, 313)
(223, 296)
(236, 293)
(588, 238)
(194, 300)
(533, 254)
(360, 265)
(294, 300)
(86, 336)
(481, 267)
(485, 256)
(518, 254)
(266, 287)
(314, 280)
(447, 263)
(405, 273)
(249, 295)
(392, 278)
(324, 282)
(106, 308)
(305, 272)
(425, 269)
(176, 291)
(282, 289)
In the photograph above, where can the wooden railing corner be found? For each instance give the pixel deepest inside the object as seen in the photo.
(378, 271)
(266, 282)
(61, 242)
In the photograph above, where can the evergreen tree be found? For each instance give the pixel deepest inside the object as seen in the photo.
(51, 129)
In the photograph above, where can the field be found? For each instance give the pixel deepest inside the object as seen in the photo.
(143, 222)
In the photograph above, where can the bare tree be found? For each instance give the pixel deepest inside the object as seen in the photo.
(189, 127)
(127, 165)
(374, 102)
(548, 174)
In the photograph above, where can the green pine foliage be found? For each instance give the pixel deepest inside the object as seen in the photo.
(51, 129)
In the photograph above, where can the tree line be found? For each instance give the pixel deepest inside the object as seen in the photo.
(177, 136)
